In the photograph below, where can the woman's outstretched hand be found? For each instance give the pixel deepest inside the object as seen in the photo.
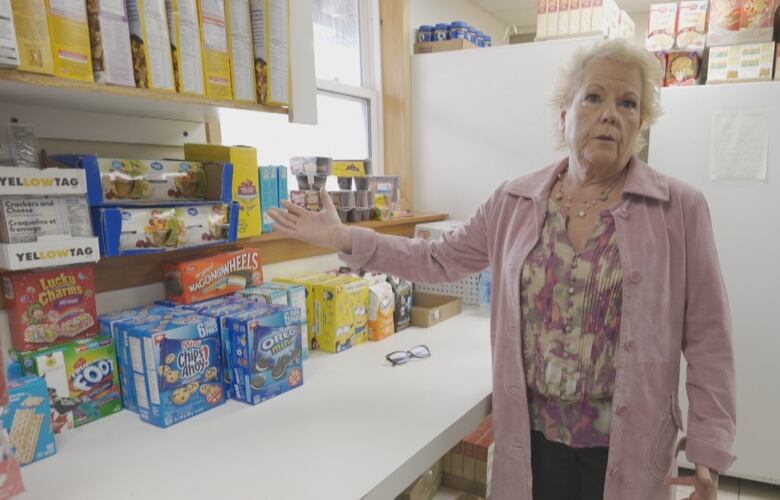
(323, 228)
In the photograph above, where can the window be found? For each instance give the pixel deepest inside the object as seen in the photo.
(346, 37)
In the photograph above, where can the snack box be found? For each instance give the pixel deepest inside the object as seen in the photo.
(692, 25)
(69, 33)
(307, 280)
(662, 29)
(682, 68)
(82, 380)
(26, 219)
(242, 59)
(287, 294)
(139, 230)
(217, 302)
(269, 194)
(109, 36)
(744, 62)
(27, 419)
(284, 194)
(110, 326)
(187, 54)
(402, 314)
(341, 306)
(150, 45)
(311, 165)
(238, 178)
(50, 306)
(266, 352)
(196, 280)
(552, 18)
(541, 19)
(216, 52)
(381, 306)
(32, 36)
(270, 35)
(177, 367)
(351, 168)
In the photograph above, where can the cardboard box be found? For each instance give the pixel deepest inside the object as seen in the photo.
(245, 186)
(586, 15)
(443, 46)
(186, 49)
(216, 53)
(575, 13)
(109, 36)
(341, 306)
(270, 34)
(746, 62)
(50, 306)
(196, 280)
(30, 219)
(150, 44)
(381, 306)
(295, 297)
(682, 68)
(69, 33)
(307, 280)
(426, 486)
(27, 420)
(429, 309)
(9, 50)
(267, 351)
(563, 17)
(351, 168)
(552, 18)
(733, 22)
(242, 58)
(662, 28)
(269, 194)
(81, 377)
(32, 36)
(541, 19)
(692, 25)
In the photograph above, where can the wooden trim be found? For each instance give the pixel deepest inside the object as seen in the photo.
(116, 273)
(397, 94)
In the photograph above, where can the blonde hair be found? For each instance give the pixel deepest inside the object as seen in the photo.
(621, 51)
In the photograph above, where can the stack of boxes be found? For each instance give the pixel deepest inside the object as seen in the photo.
(468, 466)
(575, 18)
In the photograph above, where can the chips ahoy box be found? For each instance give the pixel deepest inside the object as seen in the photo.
(266, 352)
(177, 367)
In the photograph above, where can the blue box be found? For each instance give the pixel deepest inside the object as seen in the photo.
(286, 294)
(28, 419)
(269, 194)
(284, 194)
(266, 352)
(177, 367)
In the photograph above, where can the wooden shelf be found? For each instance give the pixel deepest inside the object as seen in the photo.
(48, 91)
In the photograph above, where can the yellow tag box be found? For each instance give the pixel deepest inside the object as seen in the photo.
(341, 306)
(70, 39)
(307, 280)
(32, 36)
(187, 54)
(216, 55)
(246, 186)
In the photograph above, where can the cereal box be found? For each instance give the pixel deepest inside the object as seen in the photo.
(9, 51)
(295, 297)
(150, 44)
(50, 307)
(197, 280)
(307, 280)
(757, 14)
(269, 194)
(682, 68)
(242, 59)
(586, 15)
(575, 13)
(81, 377)
(216, 54)
(266, 353)
(27, 420)
(563, 17)
(381, 306)
(270, 34)
(184, 30)
(70, 39)
(177, 368)
(725, 16)
(109, 35)
(541, 19)
(692, 24)
(341, 306)
(32, 36)
(552, 18)
(245, 189)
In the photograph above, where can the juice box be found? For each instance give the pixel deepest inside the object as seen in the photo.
(109, 36)
(32, 36)
(150, 44)
(82, 380)
(242, 59)
(187, 54)
(341, 306)
(50, 307)
(272, 51)
(381, 306)
(196, 280)
(70, 39)
(216, 55)
(246, 186)
(269, 194)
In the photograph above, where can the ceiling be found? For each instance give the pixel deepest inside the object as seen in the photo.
(523, 12)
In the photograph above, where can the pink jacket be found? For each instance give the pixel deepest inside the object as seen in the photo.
(674, 301)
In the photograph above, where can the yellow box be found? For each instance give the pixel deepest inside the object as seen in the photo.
(307, 280)
(187, 54)
(341, 306)
(150, 44)
(70, 39)
(350, 168)
(32, 36)
(242, 59)
(272, 53)
(246, 185)
(216, 55)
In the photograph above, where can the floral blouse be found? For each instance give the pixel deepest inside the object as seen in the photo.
(571, 323)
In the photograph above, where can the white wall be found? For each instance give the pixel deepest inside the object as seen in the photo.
(641, 20)
(446, 11)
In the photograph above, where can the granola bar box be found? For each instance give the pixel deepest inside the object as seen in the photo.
(50, 307)
(27, 420)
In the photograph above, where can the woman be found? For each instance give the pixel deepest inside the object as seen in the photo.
(604, 272)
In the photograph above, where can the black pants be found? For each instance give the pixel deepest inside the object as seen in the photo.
(561, 472)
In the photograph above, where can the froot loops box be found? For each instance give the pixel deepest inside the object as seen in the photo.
(177, 367)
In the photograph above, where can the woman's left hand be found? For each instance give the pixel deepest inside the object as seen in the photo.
(704, 482)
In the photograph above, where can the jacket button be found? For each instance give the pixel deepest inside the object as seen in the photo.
(630, 345)
(635, 276)
(621, 411)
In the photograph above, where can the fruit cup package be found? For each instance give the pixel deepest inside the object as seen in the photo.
(25, 219)
(310, 200)
(387, 196)
(311, 165)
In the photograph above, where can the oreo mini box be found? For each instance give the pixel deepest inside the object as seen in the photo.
(177, 367)
(266, 352)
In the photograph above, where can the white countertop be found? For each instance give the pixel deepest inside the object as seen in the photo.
(357, 428)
